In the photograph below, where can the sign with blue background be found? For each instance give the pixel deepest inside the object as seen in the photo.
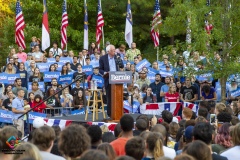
(88, 69)
(141, 64)
(66, 79)
(49, 75)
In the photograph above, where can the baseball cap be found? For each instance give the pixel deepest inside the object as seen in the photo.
(38, 122)
(188, 132)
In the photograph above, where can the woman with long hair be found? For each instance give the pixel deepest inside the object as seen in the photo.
(52, 68)
(37, 100)
(30, 151)
(31, 99)
(148, 98)
(10, 69)
(36, 77)
(79, 101)
(31, 68)
(108, 150)
(91, 48)
(222, 139)
(178, 86)
(4, 94)
(235, 109)
(172, 95)
(66, 98)
(23, 74)
(154, 146)
(53, 103)
(64, 70)
(208, 93)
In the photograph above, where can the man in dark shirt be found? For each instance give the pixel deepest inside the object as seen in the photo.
(75, 90)
(74, 64)
(156, 87)
(7, 103)
(188, 92)
(79, 74)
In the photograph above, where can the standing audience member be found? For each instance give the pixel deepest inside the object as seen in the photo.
(94, 154)
(35, 89)
(132, 52)
(23, 74)
(95, 134)
(36, 77)
(37, 55)
(187, 113)
(149, 98)
(74, 91)
(165, 88)
(156, 87)
(10, 69)
(172, 95)
(21, 55)
(7, 103)
(66, 98)
(127, 124)
(30, 151)
(43, 138)
(135, 148)
(55, 50)
(108, 150)
(37, 101)
(188, 92)
(18, 86)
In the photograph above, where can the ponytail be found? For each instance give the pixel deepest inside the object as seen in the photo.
(158, 149)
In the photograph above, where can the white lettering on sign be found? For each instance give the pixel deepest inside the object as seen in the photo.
(120, 77)
(51, 76)
(6, 115)
(65, 79)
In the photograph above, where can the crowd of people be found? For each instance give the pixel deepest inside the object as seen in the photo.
(211, 133)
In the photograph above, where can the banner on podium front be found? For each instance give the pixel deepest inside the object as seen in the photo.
(120, 77)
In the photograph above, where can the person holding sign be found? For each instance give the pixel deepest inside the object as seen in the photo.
(109, 62)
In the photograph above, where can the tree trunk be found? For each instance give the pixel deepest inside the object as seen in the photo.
(223, 89)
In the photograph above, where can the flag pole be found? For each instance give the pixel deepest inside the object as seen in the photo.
(102, 28)
(157, 52)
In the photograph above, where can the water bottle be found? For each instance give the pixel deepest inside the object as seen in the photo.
(92, 85)
(95, 84)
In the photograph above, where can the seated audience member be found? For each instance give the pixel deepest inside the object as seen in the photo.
(35, 89)
(172, 95)
(23, 74)
(4, 95)
(37, 55)
(15, 61)
(208, 93)
(232, 153)
(108, 150)
(31, 152)
(94, 154)
(43, 138)
(7, 103)
(198, 150)
(5, 133)
(36, 77)
(31, 68)
(37, 101)
(127, 124)
(140, 126)
(95, 134)
(222, 139)
(135, 148)
(75, 63)
(159, 128)
(73, 141)
(79, 101)
(203, 132)
(66, 98)
(149, 98)
(154, 146)
(187, 113)
(64, 70)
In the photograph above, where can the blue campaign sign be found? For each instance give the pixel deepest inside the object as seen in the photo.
(78, 111)
(66, 79)
(205, 77)
(88, 69)
(235, 93)
(141, 64)
(49, 75)
(152, 71)
(3, 78)
(11, 78)
(94, 63)
(41, 86)
(166, 73)
(33, 115)
(99, 79)
(66, 59)
(43, 67)
(6, 116)
(60, 64)
(151, 77)
(85, 85)
(131, 109)
(51, 60)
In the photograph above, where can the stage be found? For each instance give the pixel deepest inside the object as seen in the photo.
(81, 117)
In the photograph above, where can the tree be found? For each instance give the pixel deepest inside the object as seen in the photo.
(223, 39)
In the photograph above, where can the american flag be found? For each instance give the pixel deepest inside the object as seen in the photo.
(157, 20)
(64, 25)
(100, 24)
(20, 25)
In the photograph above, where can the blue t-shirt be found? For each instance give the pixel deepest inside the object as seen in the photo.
(19, 105)
(164, 89)
(211, 94)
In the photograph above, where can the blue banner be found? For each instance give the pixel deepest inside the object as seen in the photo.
(51, 60)
(11, 78)
(66, 79)
(152, 71)
(131, 109)
(78, 111)
(94, 63)
(99, 79)
(33, 115)
(151, 77)
(43, 67)
(60, 64)
(165, 73)
(141, 64)
(3, 78)
(235, 93)
(66, 59)
(87, 69)
(41, 86)
(6, 116)
(49, 75)
(205, 77)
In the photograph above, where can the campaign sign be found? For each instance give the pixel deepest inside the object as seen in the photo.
(41, 86)
(87, 69)
(51, 60)
(11, 78)
(205, 77)
(94, 63)
(78, 111)
(85, 85)
(152, 71)
(141, 64)
(43, 67)
(151, 77)
(120, 77)
(165, 73)
(6, 116)
(49, 75)
(66, 59)
(66, 79)
(235, 93)
(3, 78)
(131, 109)
(33, 115)
(99, 80)
(60, 64)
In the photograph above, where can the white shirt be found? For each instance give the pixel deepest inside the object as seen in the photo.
(169, 152)
(56, 51)
(232, 153)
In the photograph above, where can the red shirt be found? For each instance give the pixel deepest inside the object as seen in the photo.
(40, 108)
(172, 97)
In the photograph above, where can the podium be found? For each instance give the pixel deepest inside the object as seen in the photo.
(116, 80)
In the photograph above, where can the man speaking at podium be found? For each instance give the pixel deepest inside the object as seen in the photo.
(109, 62)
